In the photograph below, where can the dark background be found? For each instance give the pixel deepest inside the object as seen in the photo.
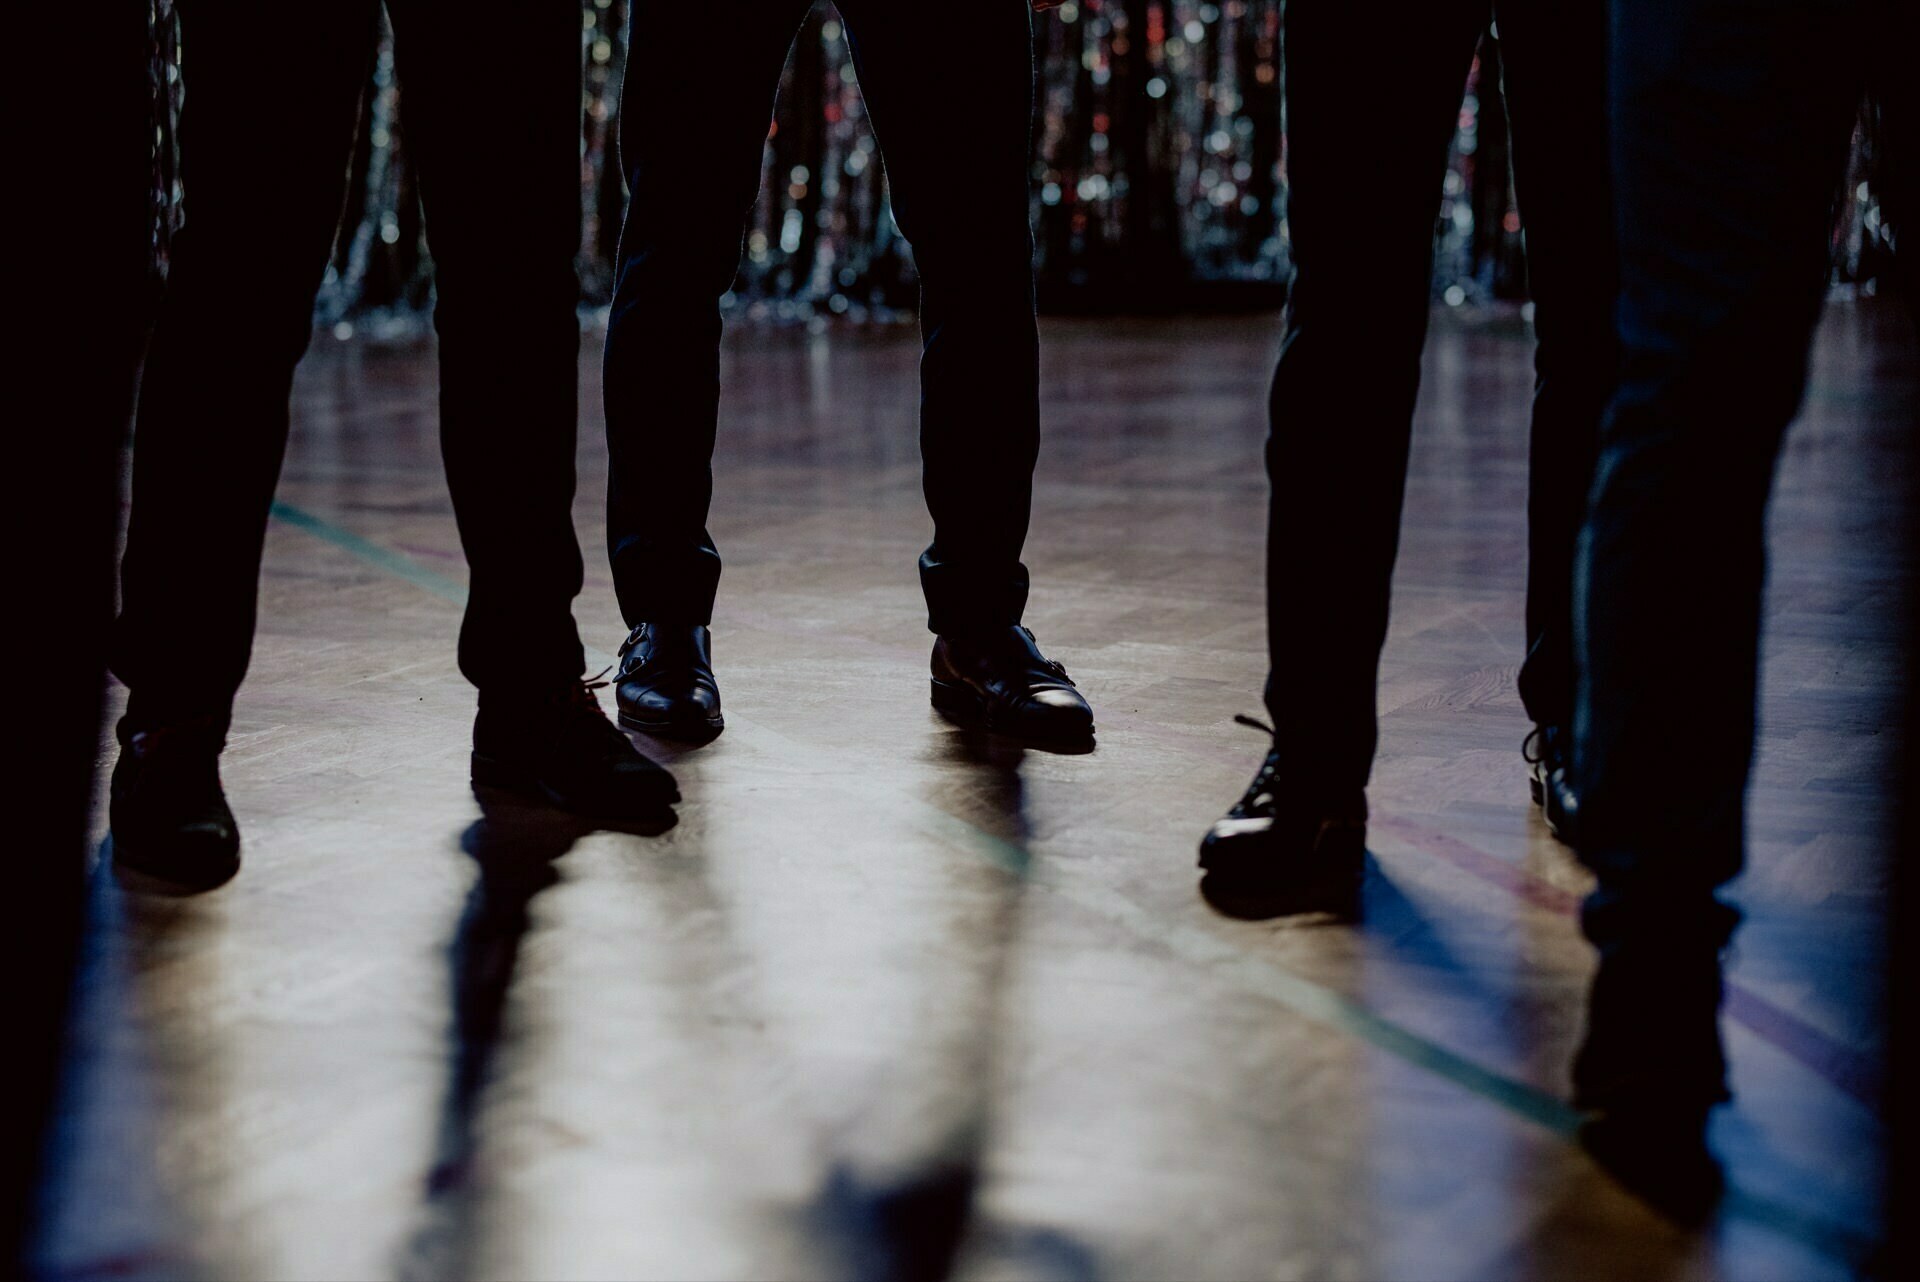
(1159, 174)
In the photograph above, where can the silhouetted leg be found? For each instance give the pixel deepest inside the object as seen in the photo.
(1730, 128)
(273, 94)
(76, 359)
(1892, 33)
(954, 119)
(1900, 180)
(491, 107)
(1556, 85)
(1372, 106)
(692, 189)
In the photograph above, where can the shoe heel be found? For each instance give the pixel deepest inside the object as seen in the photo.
(957, 701)
(1343, 848)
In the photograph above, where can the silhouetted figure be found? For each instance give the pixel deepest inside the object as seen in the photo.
(953, 109)
(492, 118)
(79, 279)
(1731, 123)
(1372, 105)
(1899, 180)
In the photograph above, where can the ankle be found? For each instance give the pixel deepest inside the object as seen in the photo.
(205, 734)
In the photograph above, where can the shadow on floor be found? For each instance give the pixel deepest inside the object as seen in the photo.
(917, 1219)
(516, 845)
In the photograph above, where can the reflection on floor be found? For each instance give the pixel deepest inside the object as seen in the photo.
(891, 1000)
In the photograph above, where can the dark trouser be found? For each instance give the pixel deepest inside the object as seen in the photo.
(1371, 108)
(491, 113)
(72, 373)
(1900, 122)
(951, 102)
(1730, 127)
(1895, 25)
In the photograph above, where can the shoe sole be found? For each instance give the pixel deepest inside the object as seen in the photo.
(488, 772)
(962, 705)
(1538, 791)
(168, 880)
(702, 730)
(1248, 889)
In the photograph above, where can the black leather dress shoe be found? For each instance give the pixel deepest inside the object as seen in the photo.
(1000, 682)
(1651, 1068)
(1275, 854)
(169, 814)
(666, 685)
(1546, 750)
(562, 748)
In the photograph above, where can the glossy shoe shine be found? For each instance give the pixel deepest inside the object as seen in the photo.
(1546, 751)
(666, 685)
(168, 811)
(999, 681)
(1274, 854)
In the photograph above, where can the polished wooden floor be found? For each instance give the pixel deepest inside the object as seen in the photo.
(890, 998)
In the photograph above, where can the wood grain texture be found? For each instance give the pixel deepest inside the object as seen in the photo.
(882, 973)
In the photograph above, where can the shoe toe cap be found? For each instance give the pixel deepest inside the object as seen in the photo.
(1056, 712)
(670, 703)
(647, 698)
(1232, 843)
(638, 783)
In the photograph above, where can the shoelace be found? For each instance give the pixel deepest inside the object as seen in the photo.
(1531, 747)
(608, 736)
(1263, 778)
(582, 695)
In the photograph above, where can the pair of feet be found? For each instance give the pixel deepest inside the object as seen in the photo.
(1650, 1069)
(171, 820)
(1286, 847)
(996, 680)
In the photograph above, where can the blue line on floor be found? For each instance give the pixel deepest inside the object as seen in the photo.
(392, 562)
(1302, 996)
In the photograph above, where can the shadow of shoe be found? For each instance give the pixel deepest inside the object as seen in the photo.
(516, 844)
(987, 744)
(667, 745)
(1336, 901)
(1661, 1159)
(896, 1231)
